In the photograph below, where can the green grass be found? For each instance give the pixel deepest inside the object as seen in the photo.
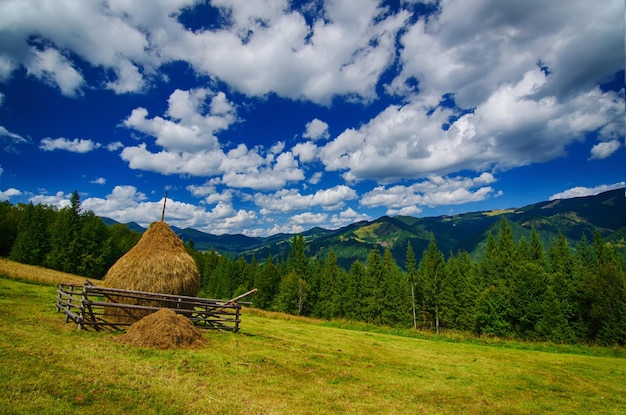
(281, 365)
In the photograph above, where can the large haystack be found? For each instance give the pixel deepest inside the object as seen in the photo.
(158, 263)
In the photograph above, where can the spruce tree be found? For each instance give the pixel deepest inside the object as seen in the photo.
(411, 268)
(432, 274)
(266, 282)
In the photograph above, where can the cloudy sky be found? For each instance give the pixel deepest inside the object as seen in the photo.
(266, 116)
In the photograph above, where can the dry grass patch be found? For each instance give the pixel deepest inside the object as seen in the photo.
(40, 275)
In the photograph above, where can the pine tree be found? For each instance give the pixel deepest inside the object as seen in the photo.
(65, 238)
(370, 288)
(395, 293)
(9, 224)
(411, 268)
(461, 278)
(553, 324)
(354, 292)
(432, 273)
(328, 287)
(32, 243)
(267, 283)
(527, 296)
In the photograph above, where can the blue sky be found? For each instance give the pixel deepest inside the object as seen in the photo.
(266, 116)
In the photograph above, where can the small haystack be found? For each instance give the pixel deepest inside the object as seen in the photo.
(158, 263)
(163, 330)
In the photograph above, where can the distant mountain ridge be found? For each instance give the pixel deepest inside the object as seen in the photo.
(467, 231)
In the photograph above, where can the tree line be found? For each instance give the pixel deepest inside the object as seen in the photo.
(520, 289)
(66, 239)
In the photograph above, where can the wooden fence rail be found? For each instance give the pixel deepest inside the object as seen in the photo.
(98, 308)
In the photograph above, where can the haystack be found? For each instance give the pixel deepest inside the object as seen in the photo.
(158, 263)
(163, 330)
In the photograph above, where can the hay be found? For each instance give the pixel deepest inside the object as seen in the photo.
(158, 263)
(163, 330)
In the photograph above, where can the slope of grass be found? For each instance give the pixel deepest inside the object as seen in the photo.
(40, 275)
(282, 365)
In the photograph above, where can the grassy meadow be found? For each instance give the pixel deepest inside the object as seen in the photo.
(284, 365)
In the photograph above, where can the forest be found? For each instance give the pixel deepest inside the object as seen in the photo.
(517, 289)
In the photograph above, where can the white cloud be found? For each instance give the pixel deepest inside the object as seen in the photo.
(58, 200)
(471, 47)
(99, 180)
(126, 204)
(316, 129)
(269, 48)
(604, 150)
(512, 128)
(189, 127)
(404, 211)
(10, 139)
(309, 218)
(114, 146)
(581, 191)
(435, 191)
(291, 200)
(113, 35)
(7, 66)
(53, 68)
(347, 217)
(76, 145)
(306, 151)
(9, 193)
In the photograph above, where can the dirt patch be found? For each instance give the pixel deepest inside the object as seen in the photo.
(163, 330)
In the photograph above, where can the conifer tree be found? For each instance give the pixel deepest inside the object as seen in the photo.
(432, 274)
(411, 268)
(9, 224)
(462, 282)
(65, 238)
(267, 282)
(370, 288)
(33, 240)
(354, 292)
(395, 293)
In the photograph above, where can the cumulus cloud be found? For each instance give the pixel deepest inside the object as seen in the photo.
(188, 144)
(127, 204)
(289, 200)
(435, 191)
(581, 191)
(605, 149)
(346, 217)
(513, 127)
(316, 129)
(191, 121)
(77, 145)
(111, 35)
(498, 33)
(114, 146)
(53, 68)
(58, 200)
(9, 193)
(269, 48)
(99, 180)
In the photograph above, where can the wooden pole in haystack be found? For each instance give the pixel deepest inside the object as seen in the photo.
(164, 202)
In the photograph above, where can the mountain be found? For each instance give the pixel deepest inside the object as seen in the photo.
(574, 217)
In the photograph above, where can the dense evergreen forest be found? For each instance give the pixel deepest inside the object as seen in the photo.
(519, 288)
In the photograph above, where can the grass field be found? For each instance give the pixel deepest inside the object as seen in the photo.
(281, 365)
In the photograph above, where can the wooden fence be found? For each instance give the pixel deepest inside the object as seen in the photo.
(99, 308)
